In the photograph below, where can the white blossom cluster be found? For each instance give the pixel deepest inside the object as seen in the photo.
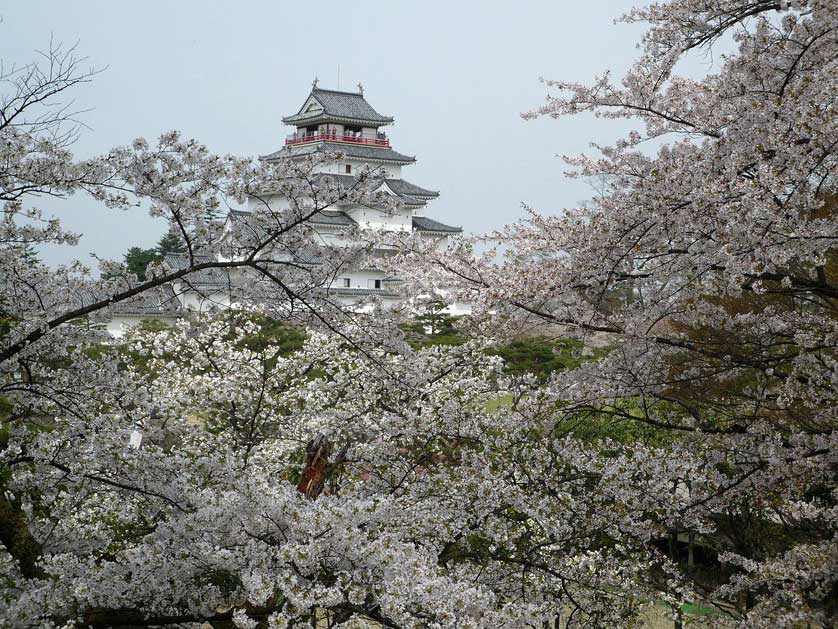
(205, 475)
(710, 265)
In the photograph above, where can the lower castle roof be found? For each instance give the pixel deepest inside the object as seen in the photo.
(338, 218)
(353, 151)
(425, 224)
(408, 193)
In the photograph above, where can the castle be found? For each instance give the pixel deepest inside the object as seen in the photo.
(336, 123)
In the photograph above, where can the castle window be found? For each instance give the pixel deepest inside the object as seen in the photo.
(349, 168)
(345, 282)
(374, 283)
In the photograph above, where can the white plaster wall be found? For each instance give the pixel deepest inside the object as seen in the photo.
(369, 218)
(322, 236)
(363, 278)
(441, 241)
(275, 202)
(458, 309)
(339, 167)
(191, 300)
(360, 305)
(392, 171)
(120, 324)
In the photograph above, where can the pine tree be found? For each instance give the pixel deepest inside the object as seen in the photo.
(171, 242)
(137, 260)
(29, 255)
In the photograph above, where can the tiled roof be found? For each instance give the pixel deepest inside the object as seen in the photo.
(422, 223)
(352, 151)
(308, 258)
(341, 219)
(323, 217)
(160, 300)
(336, 104)
(410, 194)
(361, 291)
(238, 215)
(400, 186)
(203, 277)
(331, 217)
(411, 201)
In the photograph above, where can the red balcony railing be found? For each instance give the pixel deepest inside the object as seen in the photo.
(320, 136)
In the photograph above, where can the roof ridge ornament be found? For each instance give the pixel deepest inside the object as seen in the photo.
(360, 88)
(314, 83)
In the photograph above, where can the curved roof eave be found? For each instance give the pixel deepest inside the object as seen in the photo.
(363, 122)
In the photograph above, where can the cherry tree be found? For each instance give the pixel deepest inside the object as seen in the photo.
(204, 475)
(201, 475)
(710, 263)
(177, 492)
(71, 408)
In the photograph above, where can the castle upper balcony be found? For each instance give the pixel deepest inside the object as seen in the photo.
(349, 137)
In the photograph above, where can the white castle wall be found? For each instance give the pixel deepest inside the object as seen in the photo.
(370, 218)
(390, 171)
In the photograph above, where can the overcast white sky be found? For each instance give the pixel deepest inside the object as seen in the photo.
(456, 76)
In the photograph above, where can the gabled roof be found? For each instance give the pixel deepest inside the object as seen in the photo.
(408, 193)
(322, 105)
(400, 186)
(410, 201)
(352, 151)
(332, 217)
(422, 223)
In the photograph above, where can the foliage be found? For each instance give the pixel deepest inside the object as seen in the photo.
(220, 471)
(710, 263)
(539, 355)
(432, 327)
(271, 333)
(137, 260)
(29, 255)
(170, 242)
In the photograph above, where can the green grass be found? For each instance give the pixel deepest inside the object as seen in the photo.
(502, 401)
(695, 610)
